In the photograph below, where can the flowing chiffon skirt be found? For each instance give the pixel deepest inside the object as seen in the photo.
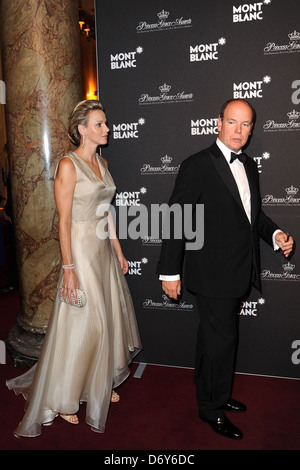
(87, 350)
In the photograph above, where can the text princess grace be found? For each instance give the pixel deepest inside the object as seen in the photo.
(162, 24)
(165, 98)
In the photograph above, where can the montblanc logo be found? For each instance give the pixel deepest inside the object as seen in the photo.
(259, 160)
(250, 308)
(290, 125)
(204, 126)
(124, 60)
(292, 46)
(165, 168)
(206, 52)
(249, 12)
(167, 304)
(289, 199)
(287, 274)
(165, 96)
(135, 267)
(164, 22)
(130, 198)
(127, 130)
(247, 90)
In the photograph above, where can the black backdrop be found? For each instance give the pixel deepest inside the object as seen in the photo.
(164, 69)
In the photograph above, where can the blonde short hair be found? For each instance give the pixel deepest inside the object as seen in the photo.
(79, 116)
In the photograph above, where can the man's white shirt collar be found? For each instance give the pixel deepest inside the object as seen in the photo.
(225, 150)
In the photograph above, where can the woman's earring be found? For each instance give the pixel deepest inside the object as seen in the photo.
(83, 141)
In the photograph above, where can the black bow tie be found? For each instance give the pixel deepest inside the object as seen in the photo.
(241, 156)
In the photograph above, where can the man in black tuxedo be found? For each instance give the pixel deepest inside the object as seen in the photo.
(221, 273)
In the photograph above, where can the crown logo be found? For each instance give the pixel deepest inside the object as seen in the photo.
(288, 267)
(166, 160)
(292, 190)
(165, 88)
(293, 114)
(294, 36)
(163, 15)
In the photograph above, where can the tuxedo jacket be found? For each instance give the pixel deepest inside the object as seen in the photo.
(229, 259)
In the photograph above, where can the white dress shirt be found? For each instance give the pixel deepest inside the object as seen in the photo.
(239, 174)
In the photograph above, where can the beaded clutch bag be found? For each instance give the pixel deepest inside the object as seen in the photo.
(81, 299)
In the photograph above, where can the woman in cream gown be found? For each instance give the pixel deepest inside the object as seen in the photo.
(86, 350)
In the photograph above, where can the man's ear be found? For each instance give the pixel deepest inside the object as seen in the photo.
(220, 122)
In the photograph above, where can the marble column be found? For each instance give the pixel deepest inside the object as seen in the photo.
(41, 68)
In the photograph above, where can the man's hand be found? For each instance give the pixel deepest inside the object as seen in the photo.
(285, 242)
(172, 288)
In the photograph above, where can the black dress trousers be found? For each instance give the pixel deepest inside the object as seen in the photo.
(215, 353)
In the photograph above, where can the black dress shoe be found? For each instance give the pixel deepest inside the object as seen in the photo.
(235, 406)
(225, 428)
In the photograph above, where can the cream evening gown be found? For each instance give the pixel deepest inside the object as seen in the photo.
(86, 351)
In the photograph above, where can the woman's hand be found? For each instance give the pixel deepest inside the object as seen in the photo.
(123, 262)
(69, 285)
